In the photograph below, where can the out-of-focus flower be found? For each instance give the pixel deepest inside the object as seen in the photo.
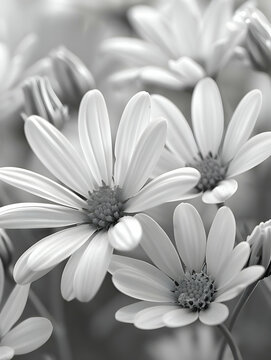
(40, 99)
(180, 45)
(174, 296)
(28, 335)
(72, 77)
(6, 249)
(260, 243)
(104, 193)
(217, 161)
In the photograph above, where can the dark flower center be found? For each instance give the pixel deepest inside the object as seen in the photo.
(105, 207)
(196, 291)
(212, 172)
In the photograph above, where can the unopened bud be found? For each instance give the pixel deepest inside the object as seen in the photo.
(6, 249)
(72, 77)
(258, 41)
(260, 245)
(40, 99)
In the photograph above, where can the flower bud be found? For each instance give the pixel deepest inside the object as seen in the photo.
(72, 77)
(258, 42)
(40, 99)
(6, 249)
(260, 245)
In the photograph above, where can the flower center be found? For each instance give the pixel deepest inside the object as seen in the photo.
(212, 172)
(104, 207)
(196, 291)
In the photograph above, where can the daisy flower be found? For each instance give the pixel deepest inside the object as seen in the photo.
(218, 157)
(103, 192)
(174, 295)
(28, 335)
(180, 44)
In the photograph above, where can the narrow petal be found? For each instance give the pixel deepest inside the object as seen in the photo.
(215, 314)
(158, 76)
(41, 186)
(222, 192)
(6, 353)
(239, 283)
(207, 116)
(2, 280)
(180, 317)
(126, 234)
(55, 248)
(188, 70)
(180, 139)
(95, 136)
(220, 240)
(159, 248)
(13, 308)
(39, 215)
(57, 154)
(152, 26)
(92, 267)
(149, 286)
(67, 278)
(152, 318)
(136, 51)
(233, 264)
(171, 186)
(29, 335)
(145, 157)
(134, 120)
(251, 154)
(127, 313)
(241, 124)
(190, 236)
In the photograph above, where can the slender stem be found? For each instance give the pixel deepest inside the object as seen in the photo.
(235, 313)
(230, 340)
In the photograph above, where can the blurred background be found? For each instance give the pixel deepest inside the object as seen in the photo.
(89, 331)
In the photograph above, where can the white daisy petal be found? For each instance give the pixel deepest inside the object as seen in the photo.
(171, 186)
(220, 240)
(62, 156)
(159, 248)
(29, 335)
(180, 317)
(127, 313)
(188, 70)
(222, 192)
(207, 116)
(152, 318)
(251, 154)
(145, 157)
(240, 282)
(134, 120)
(95, 136)
(92, 267)
(6, 353)
(151, 26)
(180, 138)
(126, 234)
(55, 248)
(233, 264)
(136, 51)
(41, 186)
(190, 236)
(149, 286)
(241, 124)
(68, 273)
(38, 215)
(13, 308)
(160, 77)
(215, 314)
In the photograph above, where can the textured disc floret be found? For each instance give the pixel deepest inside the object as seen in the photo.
(212, 172)
(104, 207)
(196, 291)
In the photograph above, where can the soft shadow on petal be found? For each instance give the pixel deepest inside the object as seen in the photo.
(126, 234)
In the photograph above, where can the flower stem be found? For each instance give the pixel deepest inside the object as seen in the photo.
(236, 311)
(232, 344)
